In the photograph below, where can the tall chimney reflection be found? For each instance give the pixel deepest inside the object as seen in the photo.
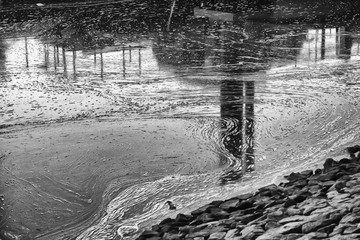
(237, 113)
(26, 52)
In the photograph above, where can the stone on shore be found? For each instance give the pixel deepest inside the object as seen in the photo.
(321, 204)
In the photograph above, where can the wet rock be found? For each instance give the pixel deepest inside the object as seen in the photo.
(230, 205)
(154, 238)
(327, 229)
(345, 237)
(307, 173)
(355, 190)
(313, 235)
(231, 234)
(300, 183)
(202, 209)
(270, 235)
(185, 229)
(318, 171)
(276, 215)
(218, 213)
(291, 227)
(278, 232)
(329, 164)
(203, 218)
(350, 218)
(297, 218)
(345, 161)
(171, 205)
(217, 235)
(227, 223)
(295, 176)
(271, 225)
(183, 218)
(252, 232)
(216, 203)
(203, 234)
(353, 150)
(245, 205)
(351, 230)
(293, 210)
(250, 217)
(302, 196)
(150, 234)
(289, 202)
(309, 206)
(271, 203)
(245, 196)
(292, 236)
(172, 236)
(166, 221)
(321, 221)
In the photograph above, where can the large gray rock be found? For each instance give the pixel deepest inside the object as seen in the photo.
(252, 232)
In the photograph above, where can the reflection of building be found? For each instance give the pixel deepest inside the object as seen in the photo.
(326, 44)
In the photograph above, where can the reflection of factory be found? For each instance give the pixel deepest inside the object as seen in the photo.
(329, 43)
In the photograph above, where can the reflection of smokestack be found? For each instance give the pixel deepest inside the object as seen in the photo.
(316, 40)
(101, 64)
(323, 43)
(130, 60)
(237, 111)
(57, 55)
(250, 125)
(26, 52)
(139, 61)
(46, 50)
(74, 63)
(55, 59)
(64, 61)
(94, 56)
(123, 58)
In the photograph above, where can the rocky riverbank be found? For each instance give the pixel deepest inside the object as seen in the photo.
(320, 204)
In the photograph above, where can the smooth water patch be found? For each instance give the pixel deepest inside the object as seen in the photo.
(59, 176)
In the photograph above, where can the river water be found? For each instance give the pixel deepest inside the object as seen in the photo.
(93, 140)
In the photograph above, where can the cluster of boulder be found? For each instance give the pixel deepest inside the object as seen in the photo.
(320, 204)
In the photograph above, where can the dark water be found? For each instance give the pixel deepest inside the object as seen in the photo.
(102, 124)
